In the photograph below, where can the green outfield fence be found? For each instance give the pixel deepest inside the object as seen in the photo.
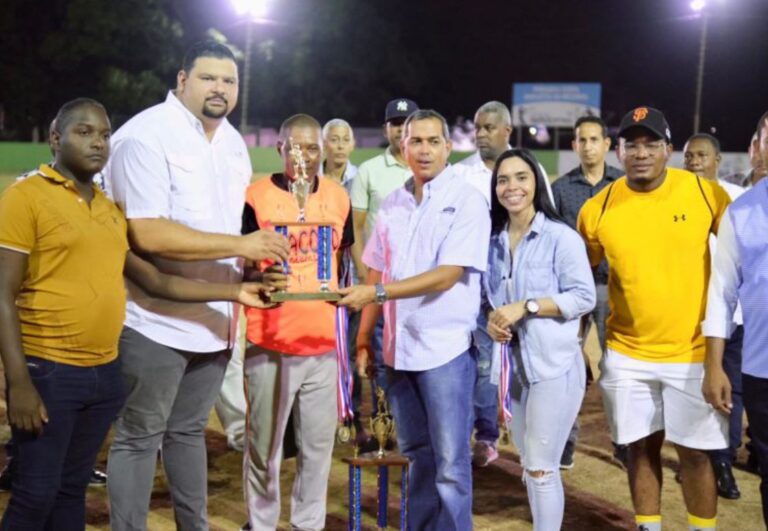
(18, 157)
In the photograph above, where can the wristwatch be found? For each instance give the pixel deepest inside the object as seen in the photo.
(531, 307)
(381, 295)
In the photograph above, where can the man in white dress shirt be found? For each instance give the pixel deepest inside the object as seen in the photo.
(702, 157)
(493, 126)
(425, 257)
(179, 171)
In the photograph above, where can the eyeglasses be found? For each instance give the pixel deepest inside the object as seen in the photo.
(652, 148)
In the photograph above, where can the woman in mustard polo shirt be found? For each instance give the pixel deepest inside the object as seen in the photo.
(63, 251)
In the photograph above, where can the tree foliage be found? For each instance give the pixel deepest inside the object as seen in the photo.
(122, 53)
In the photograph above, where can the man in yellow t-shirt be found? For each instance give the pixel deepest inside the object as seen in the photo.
(653, 227)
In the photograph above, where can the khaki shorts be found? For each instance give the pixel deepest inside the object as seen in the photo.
(643, 397)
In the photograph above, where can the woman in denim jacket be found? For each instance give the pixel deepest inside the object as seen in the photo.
(538, 284)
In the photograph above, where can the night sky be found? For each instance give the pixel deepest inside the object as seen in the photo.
(347, 58)
(642, 51)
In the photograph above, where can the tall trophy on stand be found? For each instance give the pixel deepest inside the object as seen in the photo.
(321, 232)
(383, 428)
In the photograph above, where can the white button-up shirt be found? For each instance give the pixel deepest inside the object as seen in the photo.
(451, 226)
(163, 166)
(734, 191)
(477, 174)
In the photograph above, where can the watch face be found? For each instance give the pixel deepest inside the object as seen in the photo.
(532, 306)
(381, 295)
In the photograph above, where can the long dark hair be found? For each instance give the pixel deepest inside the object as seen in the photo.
(541, 200)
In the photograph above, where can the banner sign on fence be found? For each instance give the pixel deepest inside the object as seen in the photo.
(554, 104)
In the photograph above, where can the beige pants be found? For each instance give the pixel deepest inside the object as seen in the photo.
(277, 384)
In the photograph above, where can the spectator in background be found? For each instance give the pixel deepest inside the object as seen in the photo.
(338, 144)
(493, 126)
(702, 156)
(591, 143)
(758, 168)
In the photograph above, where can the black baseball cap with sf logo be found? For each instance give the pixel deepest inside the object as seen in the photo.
(646, 118)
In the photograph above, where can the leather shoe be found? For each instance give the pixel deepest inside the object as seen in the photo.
(726, 483)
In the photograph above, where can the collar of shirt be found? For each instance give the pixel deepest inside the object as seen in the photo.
(437, 183)
(475, 161)
(536, 227)
(390, 160)
(609, 174)
(350, 171)
(51, 174)
(172, 100)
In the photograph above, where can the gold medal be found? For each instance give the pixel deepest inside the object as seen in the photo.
(343, 435)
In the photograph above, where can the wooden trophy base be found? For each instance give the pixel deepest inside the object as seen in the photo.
(285, 296)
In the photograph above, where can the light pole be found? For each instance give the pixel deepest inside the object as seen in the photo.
(699, 6)
(253, 11)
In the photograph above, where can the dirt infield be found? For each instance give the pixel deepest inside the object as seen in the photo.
(597, 497)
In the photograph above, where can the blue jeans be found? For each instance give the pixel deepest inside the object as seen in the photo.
(486, 394)
(732, 368)
(52, 469)
(433, 418)
(756, 403)
(542, 414)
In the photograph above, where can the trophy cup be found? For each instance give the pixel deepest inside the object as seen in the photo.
(322, 232)
(382, 423)
(383, 427)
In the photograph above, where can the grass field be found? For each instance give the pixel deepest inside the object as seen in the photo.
(5, 180)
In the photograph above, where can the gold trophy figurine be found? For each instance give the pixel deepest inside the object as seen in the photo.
(382, 424)
(300, 185)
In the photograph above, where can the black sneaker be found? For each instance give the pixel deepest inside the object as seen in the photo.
(566, 460)
(726, 483)
(752, 465)
(97, 479)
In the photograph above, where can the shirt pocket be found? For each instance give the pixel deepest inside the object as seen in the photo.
(538, 278)
(188, 193)
(238, 179)
(439, 226)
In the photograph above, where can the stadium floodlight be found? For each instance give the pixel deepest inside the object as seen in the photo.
(698, 5)
(253, 9)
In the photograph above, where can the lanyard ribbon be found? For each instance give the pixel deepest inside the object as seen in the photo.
(505, 400)
(344, 379)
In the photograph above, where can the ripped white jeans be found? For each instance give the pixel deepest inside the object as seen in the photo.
(542, 416)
